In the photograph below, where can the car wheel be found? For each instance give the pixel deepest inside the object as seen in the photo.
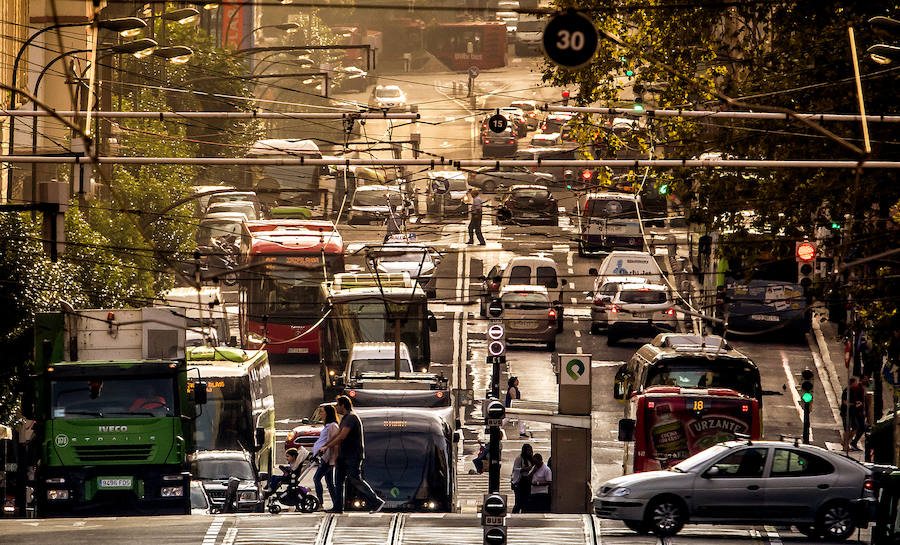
(488, 187)
(665, 516)
(595, 329)
(835, 521)
(637, 526)
(551, 346)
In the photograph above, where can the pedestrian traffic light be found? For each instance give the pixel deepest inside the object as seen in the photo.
(663, 189)
(495, 308)
(494, 535)
(806, 385)
(806, 257)
(495, 412)
(565, 97)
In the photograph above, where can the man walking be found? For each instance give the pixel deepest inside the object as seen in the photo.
(350, 457)
(475, 209)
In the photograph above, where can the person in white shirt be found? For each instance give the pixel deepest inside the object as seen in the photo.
(328, 455)
(541, 477)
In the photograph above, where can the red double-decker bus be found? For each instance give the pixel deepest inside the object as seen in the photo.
(280, 299)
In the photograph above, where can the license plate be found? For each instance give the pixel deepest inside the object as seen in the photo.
(493, 521)
(523, 324)
(765, 318)
(298, 350)
(115, 483)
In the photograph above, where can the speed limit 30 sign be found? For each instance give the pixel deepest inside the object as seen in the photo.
(570, 39)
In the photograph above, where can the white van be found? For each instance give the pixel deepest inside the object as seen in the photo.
(525, 270)
(608, 221)
(629, 263)
(529, 33)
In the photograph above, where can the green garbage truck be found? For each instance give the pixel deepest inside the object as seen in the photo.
(111, 411)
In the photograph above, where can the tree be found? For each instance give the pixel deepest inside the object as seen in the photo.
(768, 56)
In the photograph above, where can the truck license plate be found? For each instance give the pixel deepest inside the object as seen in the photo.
(115, 483)
(764, 317)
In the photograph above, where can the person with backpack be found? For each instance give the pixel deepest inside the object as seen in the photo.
(853, 407)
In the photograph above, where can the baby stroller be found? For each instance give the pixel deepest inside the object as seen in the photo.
(290, 493)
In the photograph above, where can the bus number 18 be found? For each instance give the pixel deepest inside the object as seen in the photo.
(698, 405)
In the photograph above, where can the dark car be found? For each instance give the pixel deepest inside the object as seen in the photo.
(214, 468)
(532, 204)
(488, 179)
(308, 431)
(501, 144)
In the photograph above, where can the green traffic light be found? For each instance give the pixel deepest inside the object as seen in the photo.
(663, 189)
(806, 397)
(835, 225)
(629, 73)
(638, 108)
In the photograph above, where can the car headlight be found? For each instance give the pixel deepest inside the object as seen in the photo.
(620, 491)
(248, 495)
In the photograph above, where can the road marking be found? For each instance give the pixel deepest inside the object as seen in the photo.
(793, 388)
(229, 536)
(213, 531)
(772, 534)
(569, 262)
(577, 334)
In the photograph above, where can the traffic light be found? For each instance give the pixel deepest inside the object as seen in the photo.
(496, 341)
(806, 257)
(493, 518)
(663, 189)
(565, 97)
(806, 385)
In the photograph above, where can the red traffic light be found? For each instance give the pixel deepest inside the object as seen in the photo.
(586, 174)
(806, 251)
(565, 94)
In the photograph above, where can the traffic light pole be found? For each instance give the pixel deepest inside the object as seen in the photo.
(494, 506)
(806, 407)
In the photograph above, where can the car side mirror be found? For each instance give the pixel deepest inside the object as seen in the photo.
(432, 322)
(593, 271)
(626, 429)
(200, 395)
(260, 438)
(711, 472)
(619, 384)
(305, 421)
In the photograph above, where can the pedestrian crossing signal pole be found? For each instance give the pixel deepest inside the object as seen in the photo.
(493, 507)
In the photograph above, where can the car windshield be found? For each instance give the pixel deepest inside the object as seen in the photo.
(381, 365)
(458, 184)
(699, 460)
(377, 198)
(525, 301)
(388, 92)
(212, 469)
(647, 297)
(403, 256)
(103, 397)
(611, 209)
(531, 194)
(702, 372)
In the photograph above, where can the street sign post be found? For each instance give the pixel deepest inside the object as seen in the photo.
(570, 39)
(473, 72)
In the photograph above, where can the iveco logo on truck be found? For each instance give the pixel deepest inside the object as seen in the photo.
(113, 428)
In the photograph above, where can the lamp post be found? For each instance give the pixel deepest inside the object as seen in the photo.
(288, 28)
(125, 26)
(138, 48)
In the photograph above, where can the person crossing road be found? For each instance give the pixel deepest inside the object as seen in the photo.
(476, 207)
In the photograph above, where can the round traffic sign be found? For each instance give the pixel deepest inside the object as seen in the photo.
(497, 123)
(495, 332)
(473, 72)
(570, 39)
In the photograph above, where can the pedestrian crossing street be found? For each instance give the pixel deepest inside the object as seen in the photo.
(455, 529)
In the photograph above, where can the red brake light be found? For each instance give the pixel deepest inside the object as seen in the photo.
(511, 141)
(671, 312)
(486, 141)
(551, 314)
(439, 395)
(352, 393)
(869, 485)
(614, 309)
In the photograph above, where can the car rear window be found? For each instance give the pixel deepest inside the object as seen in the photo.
(546, 276)
(525, 301)
(520, 274)
(648, 297)
(611, 209)
(531, 193)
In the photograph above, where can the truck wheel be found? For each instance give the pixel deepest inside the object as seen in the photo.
(835, 522)
(665, 516)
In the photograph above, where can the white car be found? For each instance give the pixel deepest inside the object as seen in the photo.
(639, 310)
(377, 358)
(605, 289)
(388, 97)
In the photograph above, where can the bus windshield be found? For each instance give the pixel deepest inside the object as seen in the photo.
(406, 466)
(371, 323)
(285, 292)
(701, 372)
(225, 422)
(102, 397)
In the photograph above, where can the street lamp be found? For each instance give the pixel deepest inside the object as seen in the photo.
(288, 28)
(176, 54)
(181, 16)
(885, 27)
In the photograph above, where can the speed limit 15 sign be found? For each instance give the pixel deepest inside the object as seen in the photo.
(570, 39)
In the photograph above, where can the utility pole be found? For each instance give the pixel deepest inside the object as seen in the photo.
(494, 504)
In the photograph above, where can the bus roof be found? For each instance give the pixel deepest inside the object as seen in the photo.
(285, 146)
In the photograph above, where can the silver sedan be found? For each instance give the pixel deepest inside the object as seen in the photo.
(739, 482)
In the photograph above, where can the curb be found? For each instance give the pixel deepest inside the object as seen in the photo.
(833, 378)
